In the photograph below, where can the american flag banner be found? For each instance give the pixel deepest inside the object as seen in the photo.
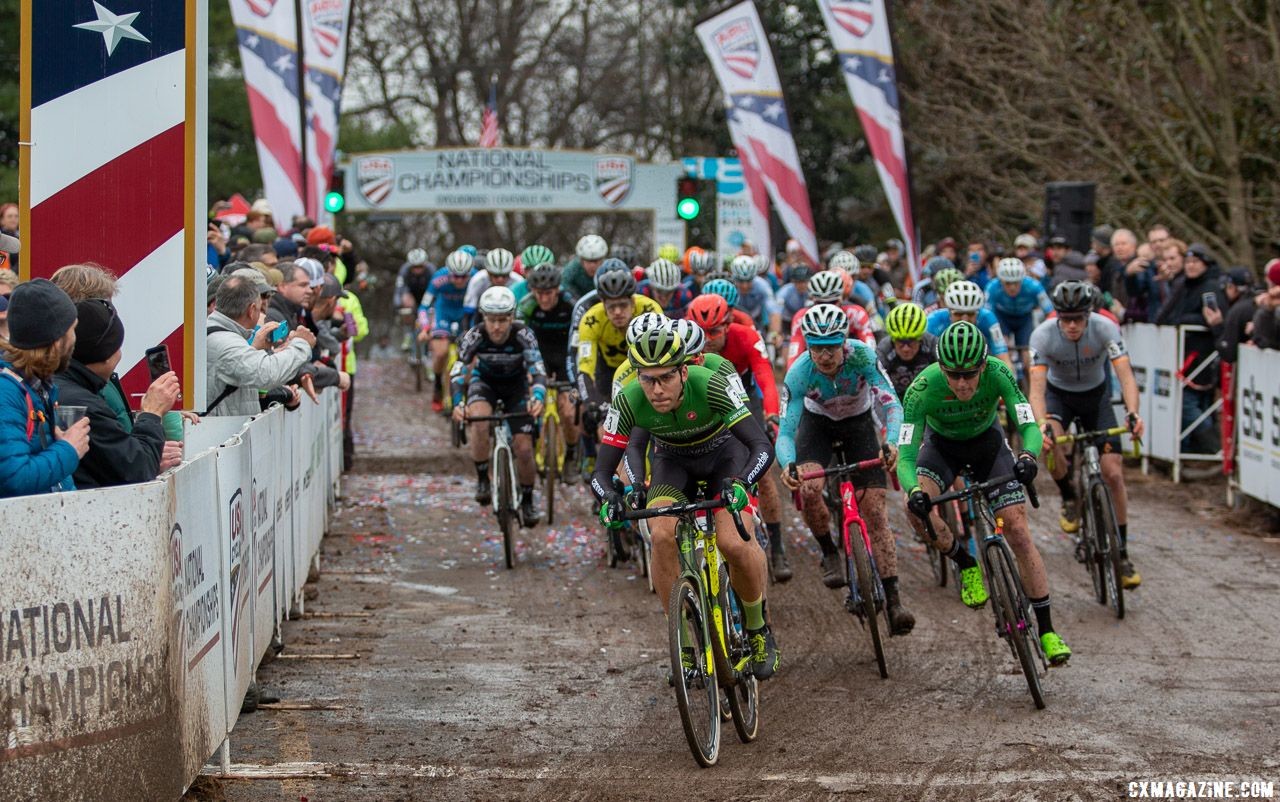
(860, 32)
(738, 48)
(113, 165)
(324, 47)
(489, 136)
(756, 191)
(268, 34)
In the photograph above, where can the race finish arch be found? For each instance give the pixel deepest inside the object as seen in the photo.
(511, 180)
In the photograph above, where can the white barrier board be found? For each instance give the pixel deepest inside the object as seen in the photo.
(1257, 380)
(234, 475)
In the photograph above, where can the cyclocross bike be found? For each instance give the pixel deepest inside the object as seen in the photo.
(502, 473)
(1098, 539)
(707, 635)
(415, 353)
(1015, 622)
(866, 593)
(550, 451)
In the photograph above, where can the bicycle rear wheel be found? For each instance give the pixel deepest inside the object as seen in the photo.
(506, 505)
(861, 573)
(1107, 545)
(697, 696)
(1013, 615)
(550, 465)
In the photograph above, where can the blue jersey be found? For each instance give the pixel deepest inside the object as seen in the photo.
(852, 391)
(675, 307)
(1030, 295)
(791, 300)
(863, 295)
(442, 301)
(990, 327)
(758, 302)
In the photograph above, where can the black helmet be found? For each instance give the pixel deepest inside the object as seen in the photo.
(1073, 296)
(615, 283)
(544, 276)
(866, 254)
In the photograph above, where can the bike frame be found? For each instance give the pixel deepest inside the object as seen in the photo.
(850, 517)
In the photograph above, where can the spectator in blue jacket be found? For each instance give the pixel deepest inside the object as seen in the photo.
(35, 455)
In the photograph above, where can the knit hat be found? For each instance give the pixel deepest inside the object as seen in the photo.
(100, 333)
(321, 235)
(39, 314)
(1273, 272)
(285, 247)
(1102, 235)
(1239, 276)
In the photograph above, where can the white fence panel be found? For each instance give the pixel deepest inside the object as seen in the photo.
(266, 508)
(1258, 423)
(235, 471)
(210, 432)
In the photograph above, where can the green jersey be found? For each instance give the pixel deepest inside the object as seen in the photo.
(626, 374)
(709, 407)
(930, 402)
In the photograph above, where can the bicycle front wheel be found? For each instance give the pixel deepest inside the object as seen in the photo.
(1107, 545)
(550, 464)
(506, 505)
(1092, 558)
(1013, 615)
(697, 696)
(865, 608)
(742, 690)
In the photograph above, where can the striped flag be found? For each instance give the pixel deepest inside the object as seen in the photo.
(860, 32)
(267, 32)
(324, 47)
(757, 193)
(738, 48)
(489, 137)
(114, 173)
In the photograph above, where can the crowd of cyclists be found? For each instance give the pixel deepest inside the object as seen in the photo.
(668, 372)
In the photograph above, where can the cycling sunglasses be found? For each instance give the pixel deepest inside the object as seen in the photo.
(662, 378)
(962, 374)
(1073, 318)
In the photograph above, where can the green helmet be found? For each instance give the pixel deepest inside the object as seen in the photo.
(536, 255)
(905, 321)
(657, 348)
(962, 347)
(945, 278)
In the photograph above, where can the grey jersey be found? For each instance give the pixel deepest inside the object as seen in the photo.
(1081, 365)
(580, 308)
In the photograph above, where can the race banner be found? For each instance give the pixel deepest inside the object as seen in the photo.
(268, 34)
(324, 46)
(112, 168)
(757, 193)
(860, 32)
(738, 48)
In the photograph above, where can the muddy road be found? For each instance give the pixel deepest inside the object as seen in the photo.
(427, 671)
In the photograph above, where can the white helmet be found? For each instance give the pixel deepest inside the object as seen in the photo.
(498, 261)
(743, 268)
(964, 296)
(643, 322)
(592, 247)
(663, 274)
(417, 256)
(691, 334)
(702, 262)
(459, 263)
(762, 264)
(826, 287)
(498, 301)
(1010, 270)
(843, 260)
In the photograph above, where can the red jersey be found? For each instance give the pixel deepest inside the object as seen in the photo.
(744, 348)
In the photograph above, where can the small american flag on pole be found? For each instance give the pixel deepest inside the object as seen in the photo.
(489, 124)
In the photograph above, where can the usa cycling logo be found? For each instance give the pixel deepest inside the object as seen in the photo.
(261, 7)
(613, 179)
(855, 16)
(327, 20)
(736, 41)
(375, 176)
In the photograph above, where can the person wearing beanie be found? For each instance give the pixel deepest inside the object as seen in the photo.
(118, 454)
(1266, 321)
(35, 455)
(1235, 309)
(321, 235)
(1186, 307)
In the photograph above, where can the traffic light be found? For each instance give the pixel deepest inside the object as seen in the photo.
(334, 200)
(695, 204)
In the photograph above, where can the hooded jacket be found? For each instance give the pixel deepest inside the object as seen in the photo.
(116, 456)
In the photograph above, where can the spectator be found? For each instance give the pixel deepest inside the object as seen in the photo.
(1053, 253)
(296, 293)
(1107, 265)
(1266, 321)
(8, 280)
(1186, 308)
(35, 455)
(977, 256)
(1067, 265)
(9, 244)
(259, 252)
(1135, 286)
(948, 248)
(895, 265)
(4, 317)
(217, 253)
(1157, 236)
(119, 453)
(1234, 311)
(1024, 247)
(1172, 255)
(238, 369)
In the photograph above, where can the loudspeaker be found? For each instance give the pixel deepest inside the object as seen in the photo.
(1068, 212)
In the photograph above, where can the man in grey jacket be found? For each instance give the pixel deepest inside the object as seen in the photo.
(237, 367)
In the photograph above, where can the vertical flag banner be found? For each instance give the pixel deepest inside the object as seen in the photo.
(756, 190)
(325, 26)
(113, 126)
(738, 48)
(268, 31)
(860, 32)
(489, 122)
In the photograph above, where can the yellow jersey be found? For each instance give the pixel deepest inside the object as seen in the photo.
(599, 341)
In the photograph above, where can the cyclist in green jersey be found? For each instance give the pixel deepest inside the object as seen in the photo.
(702, 432)
(950, 423)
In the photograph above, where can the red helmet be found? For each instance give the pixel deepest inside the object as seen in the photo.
(708, 311)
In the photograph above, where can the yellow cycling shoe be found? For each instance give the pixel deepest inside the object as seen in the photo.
(1069, 518)
(1129, 578)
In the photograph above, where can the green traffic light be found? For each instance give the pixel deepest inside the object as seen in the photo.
(688, 208)
(334, 202)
